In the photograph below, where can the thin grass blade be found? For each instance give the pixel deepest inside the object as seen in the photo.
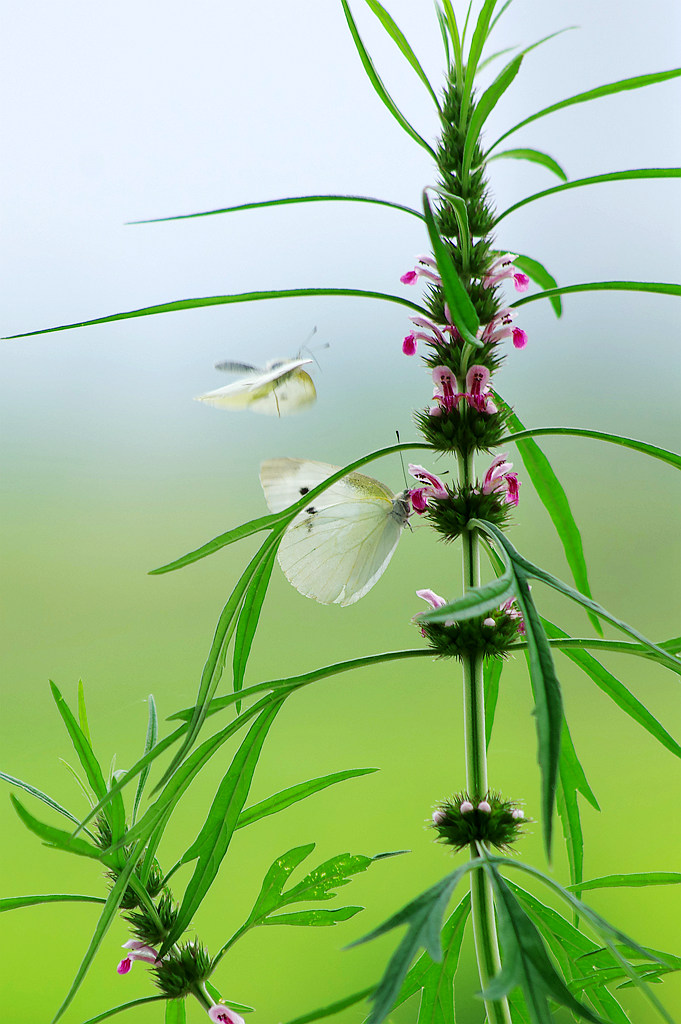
(16, 902)
(539, 274)
(402, 43)
(535, 156)
(39, 795)
(124, 1006)
(150, 743)
(599, 435)
(249, 617)
(655, 287)
(286, 201)
(484, 108)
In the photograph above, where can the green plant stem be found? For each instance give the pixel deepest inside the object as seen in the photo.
(482, 906)
(199, 992)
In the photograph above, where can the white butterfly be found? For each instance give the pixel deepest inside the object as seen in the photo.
(281, 388)
(340, 546)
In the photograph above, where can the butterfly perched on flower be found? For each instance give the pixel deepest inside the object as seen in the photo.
(337, 548)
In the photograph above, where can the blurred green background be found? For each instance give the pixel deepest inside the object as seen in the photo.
(110, 469)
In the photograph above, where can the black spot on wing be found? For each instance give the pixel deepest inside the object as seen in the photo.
(303, 490)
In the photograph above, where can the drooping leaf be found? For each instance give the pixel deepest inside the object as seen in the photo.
(623, 85)
(538, 272)
(58, 838)
(41, 796)
(596, 179)
(655, 287)
(221, 300)
(378, 85)
(600, 435)
(535, 156)
(16, 902)
(554, 499)
(215, 836)
(286, 201)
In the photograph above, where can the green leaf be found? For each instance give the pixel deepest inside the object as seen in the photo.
(539, 274)
(526, 962)
(571, 781)
(526, 567)
(295, 682)
(124, 1006)
(442, 22)
(41, 796)
(380, 89)
(475, 601)
(492, 669)
(114, 810)
(150, 743)
(333, 1008)
(249, 616)
(106, 918)
(82, 712)
(599, 435)
(526, 49)
(315, 918)
(617, 692)
(477, 42)
(286, 515)
(176, 1012)
(401, 42)
(554, 499)
(435, 980)
(212, 670)
(284, 202)
(656, 287)
(639, 82)
(219, 998)
(218, 829)
(635, 880)
(221, 300)
(461, 308)
(423, 917)
(16, 902)
(484, 108)
(598, 179)
(58, 838)
(535, 156)
(456, 41)
(292, 795)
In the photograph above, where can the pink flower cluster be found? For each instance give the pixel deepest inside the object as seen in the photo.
(499, 478)
(503, 268)
(137, 951)
(426, 267)
(431, 487)
(500, 327)
(476, 393)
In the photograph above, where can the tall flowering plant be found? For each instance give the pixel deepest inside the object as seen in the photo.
(335, 531)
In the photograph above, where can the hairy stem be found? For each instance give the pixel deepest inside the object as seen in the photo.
(482, 906)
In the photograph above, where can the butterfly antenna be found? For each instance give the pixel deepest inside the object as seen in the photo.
(311, 351)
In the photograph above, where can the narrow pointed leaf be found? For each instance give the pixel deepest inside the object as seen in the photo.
(526, 567)
(16, 902)
(82, 712)
(107, 917)
(454, 36)
(538, 272)
(461, 308)
(442, 22)
(484, 108)
(221, 300)
(58, 838)
(286, 201)
(554, 499)
(314, 918)
(535, 156)
(475, 50)
(492, 670)
(599, 435)
(39, 796)
(656, 287)
(571, 781)
(216, 834)
(333, 1008)
(474, 602)
(378, 85)
(623, 85)
(150, 743)
(526, 49)
(597, 179)
(292, 795)
(635, 880)
(402, 43)
(122, 1007)
(249, 616)
(623, 698)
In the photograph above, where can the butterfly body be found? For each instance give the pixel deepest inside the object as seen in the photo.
(281, 388)
(340, 545)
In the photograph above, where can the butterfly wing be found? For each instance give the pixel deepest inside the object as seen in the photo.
(278, 391)
(336, 550)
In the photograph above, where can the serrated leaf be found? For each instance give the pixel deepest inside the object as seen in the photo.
(554, 499)
(16, 902)
(314, 918)
(215, 836)
(535, 156)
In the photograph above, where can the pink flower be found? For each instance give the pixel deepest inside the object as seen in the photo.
(500, 327)
(477, 388)
(512, 612)
(432, 487)
(519, 337)
(503, 268)
(221, 1014)
(434, 600)
(489, 622)
(409, 345)
(499, 478)
(426, 267)
(445, 390)
(138, 951)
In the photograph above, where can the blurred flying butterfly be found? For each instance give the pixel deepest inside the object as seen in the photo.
(281, 388)
(335, 550)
